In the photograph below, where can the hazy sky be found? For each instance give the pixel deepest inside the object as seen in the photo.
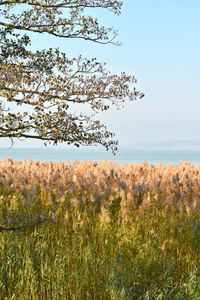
(161, 47)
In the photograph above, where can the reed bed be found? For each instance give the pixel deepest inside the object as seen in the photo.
(137, 185)
(99, 231)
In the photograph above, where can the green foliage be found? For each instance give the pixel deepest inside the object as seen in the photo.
(82, 255)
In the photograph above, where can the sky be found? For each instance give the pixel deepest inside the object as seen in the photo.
(161, 47)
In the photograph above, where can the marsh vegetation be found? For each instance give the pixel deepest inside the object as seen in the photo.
(100, 231)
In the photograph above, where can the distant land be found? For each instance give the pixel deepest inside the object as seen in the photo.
(175, 145)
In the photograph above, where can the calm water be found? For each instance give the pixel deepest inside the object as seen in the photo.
(123, 156)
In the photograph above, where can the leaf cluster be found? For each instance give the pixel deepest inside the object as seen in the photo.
(39, 89)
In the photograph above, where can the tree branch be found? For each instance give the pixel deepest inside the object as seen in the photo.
(25, 226)
(111, 4)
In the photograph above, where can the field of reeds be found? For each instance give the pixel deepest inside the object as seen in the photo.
(99, 231)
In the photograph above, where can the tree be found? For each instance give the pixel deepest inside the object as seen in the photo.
(38, 89)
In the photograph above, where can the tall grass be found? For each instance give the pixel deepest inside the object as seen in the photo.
(125, 237)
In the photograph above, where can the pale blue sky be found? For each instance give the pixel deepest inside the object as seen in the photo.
(161, 47)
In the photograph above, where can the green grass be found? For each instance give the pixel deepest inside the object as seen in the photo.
(153, 255)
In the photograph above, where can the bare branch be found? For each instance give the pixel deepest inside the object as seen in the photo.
(25, 226)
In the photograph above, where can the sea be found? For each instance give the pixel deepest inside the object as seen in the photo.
(123, 156)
